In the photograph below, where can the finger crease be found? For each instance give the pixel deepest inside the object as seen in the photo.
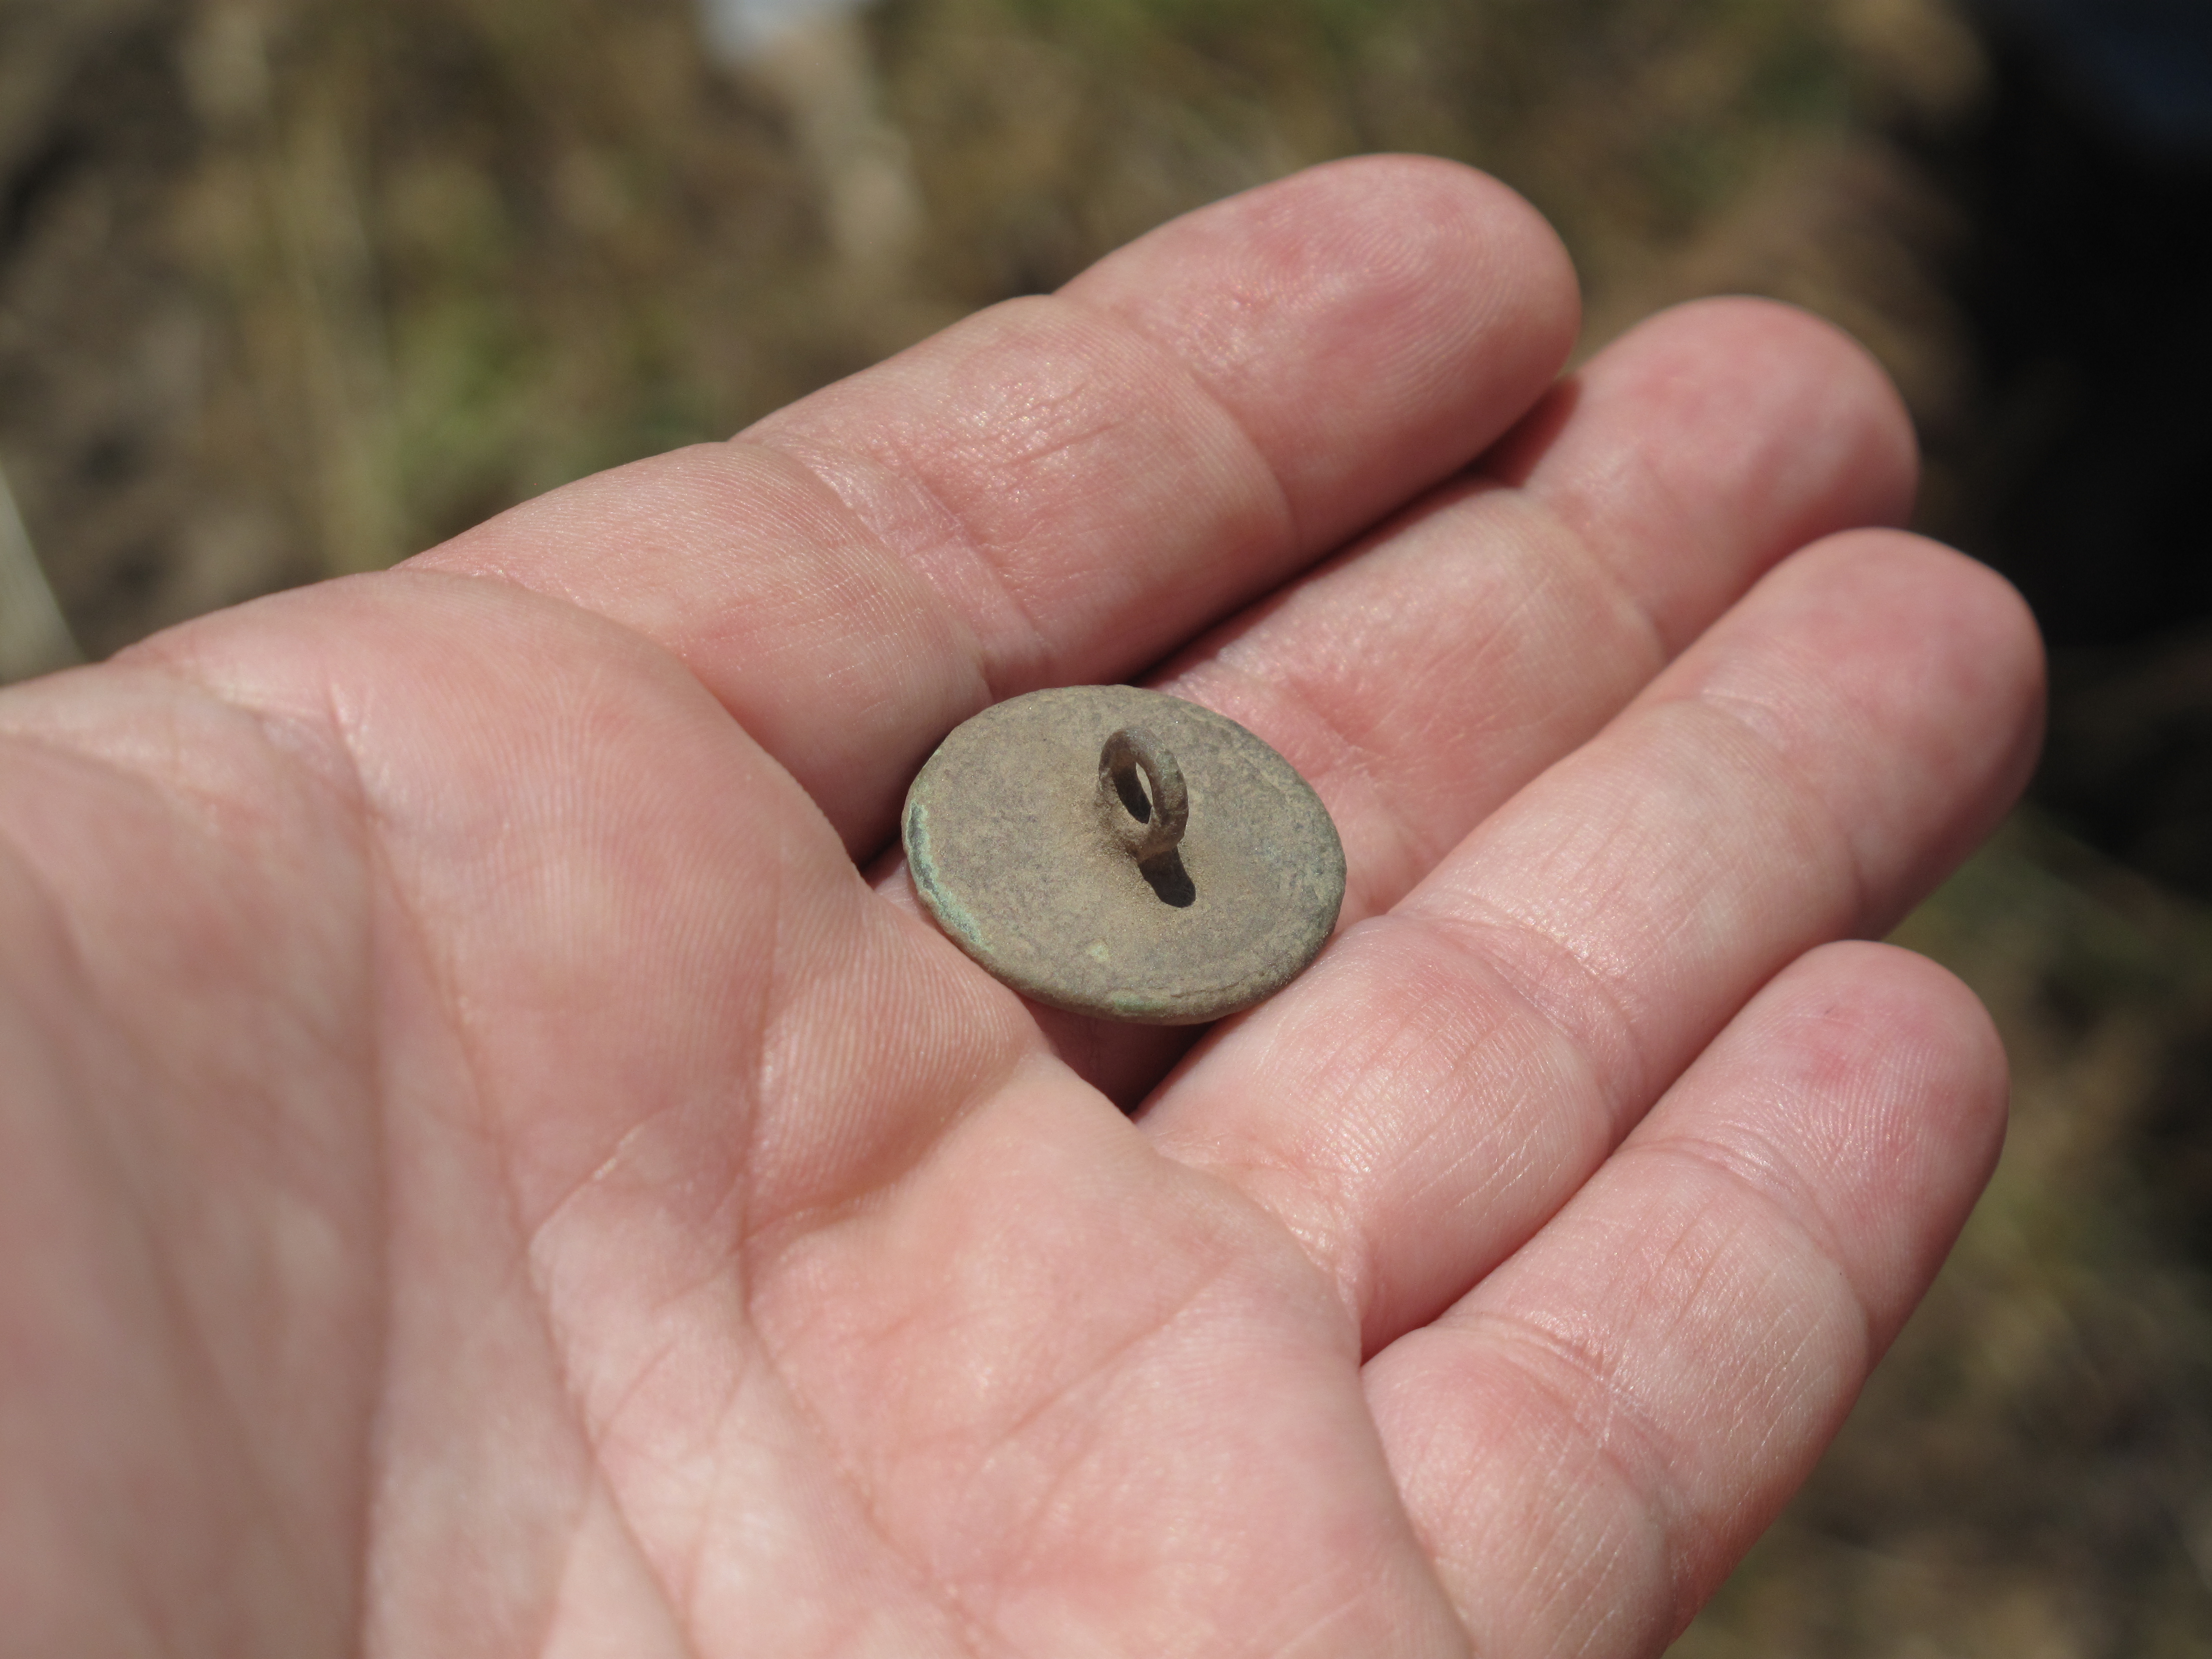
(1626, 604)
(1605, 1025)
(1609, 1421)
(1021, 641)
(1293, 531)
(1756, 1179)
(1755, 718)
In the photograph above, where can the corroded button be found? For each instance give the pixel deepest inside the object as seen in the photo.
(1123, 853)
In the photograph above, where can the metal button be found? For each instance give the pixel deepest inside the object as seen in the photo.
(1123, 853)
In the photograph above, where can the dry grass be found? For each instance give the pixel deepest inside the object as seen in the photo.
(293, 287)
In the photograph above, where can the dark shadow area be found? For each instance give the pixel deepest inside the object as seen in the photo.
(1165, 874)
(1166, 877)
(2087, 287)
(2176, 1151)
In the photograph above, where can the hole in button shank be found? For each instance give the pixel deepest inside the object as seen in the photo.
(1150, 839)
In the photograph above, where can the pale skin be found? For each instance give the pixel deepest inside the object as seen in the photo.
(483, 1171)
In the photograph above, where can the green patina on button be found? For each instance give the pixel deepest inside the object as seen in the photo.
(1123, 853)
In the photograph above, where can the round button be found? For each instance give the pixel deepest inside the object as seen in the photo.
(1125, 854)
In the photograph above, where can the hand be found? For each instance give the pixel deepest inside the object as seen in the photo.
(481, 1171)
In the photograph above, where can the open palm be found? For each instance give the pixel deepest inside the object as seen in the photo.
(485, 1169)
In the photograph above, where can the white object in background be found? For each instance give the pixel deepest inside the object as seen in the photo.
(34, 638)
(739, 31)
(813, 57)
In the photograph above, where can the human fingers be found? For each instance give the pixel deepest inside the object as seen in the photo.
(1421, 679)
(1435, 1086)
(1591, 1439)
(1420, 682)
(1062, 489)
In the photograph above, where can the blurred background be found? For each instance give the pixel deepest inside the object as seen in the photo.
(291, 288)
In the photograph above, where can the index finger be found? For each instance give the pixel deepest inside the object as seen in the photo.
(1062, 489)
